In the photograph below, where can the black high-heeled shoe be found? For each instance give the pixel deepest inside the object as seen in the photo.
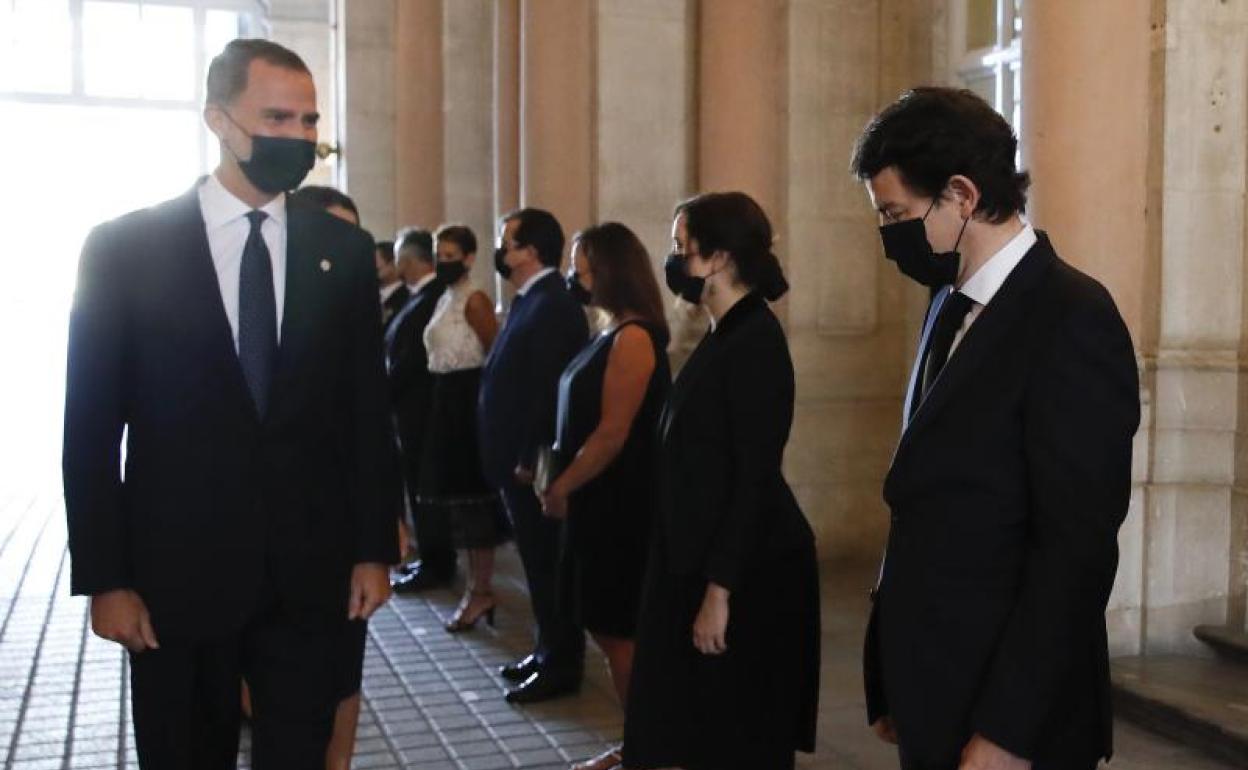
(461, 621)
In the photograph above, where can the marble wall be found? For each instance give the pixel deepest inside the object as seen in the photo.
(617, 109)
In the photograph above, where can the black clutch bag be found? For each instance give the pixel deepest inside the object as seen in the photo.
(550, 465)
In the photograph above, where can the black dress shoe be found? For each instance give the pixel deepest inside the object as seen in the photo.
(542, 686)
(520, 670)
(420, 578)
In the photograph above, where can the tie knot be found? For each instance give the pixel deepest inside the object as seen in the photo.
(256, 217)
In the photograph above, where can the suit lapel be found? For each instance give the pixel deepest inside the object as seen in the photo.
(202, 300)
(1001, 314)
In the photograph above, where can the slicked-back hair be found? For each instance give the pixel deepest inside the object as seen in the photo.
(417, 241)
(385, 250)
(227, 74)
(931, 134)
(538, 228)
(323, 197)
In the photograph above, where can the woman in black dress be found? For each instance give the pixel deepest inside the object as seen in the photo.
(610, 397)
(726, 675)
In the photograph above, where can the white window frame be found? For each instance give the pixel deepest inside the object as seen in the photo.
(255, 13)
(1000, 61)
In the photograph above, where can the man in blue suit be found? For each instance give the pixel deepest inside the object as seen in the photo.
(545, 329)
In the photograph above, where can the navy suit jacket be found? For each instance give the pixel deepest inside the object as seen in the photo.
(519, 385)
(218, 507)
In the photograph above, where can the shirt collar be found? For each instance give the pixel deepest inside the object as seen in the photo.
(422, 283)
(221, 207)
(987, 281)
(530, 283)
(388, 291)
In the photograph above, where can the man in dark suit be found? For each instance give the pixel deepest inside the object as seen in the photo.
(411, 387)
(987, 646)
(394, 291)
(545, 329)
(233, 336)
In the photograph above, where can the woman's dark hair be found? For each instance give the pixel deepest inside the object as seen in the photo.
(227, 74)
(460, 235)
(931, 134)
(538, 228)
(733, 222)
(324, 197)
(624, 279)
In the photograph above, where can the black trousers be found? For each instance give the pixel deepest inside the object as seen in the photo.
(186, 696)
(560, 643)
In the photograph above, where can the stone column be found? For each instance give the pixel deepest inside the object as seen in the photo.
(468, 116)
(645, 115)
(556, 109)
(506, 123)
(418, 114)
(741, 98)
(1090, 193)
(303, 26)
(366, 110)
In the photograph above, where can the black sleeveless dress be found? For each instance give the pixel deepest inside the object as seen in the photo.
(606, 536)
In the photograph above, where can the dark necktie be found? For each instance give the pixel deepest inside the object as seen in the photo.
(257, 315)
(952, 314)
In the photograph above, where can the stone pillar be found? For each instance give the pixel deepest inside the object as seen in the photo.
(366, 110)
(645, 151)
(468, 115)
(418, 114)
(556, 109)
(506, 123)
(741, 98)
(1090, 193)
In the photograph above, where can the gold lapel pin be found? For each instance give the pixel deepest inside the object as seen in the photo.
(325, 265)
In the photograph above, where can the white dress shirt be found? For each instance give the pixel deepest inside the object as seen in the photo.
(388, 291)
(988, 279)
(529, 283)
(422, 283)
(225, 219)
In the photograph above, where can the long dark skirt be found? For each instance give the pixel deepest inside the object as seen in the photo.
(747, 709)
(452, 484)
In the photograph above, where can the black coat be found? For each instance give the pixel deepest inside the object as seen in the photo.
(407, 362)
(1007, 490)
(393, 304)
(215, 503)
(520, 381)
(725, 514)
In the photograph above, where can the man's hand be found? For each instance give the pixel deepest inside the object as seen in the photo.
(370, 588)
(710, 628)
(121, 616)
(884, 730)
(983, 754)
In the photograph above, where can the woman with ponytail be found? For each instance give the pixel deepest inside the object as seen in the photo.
(726, 672)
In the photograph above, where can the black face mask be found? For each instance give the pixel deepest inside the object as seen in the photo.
(277, 163)
(683, 285)
(500, 263)
(906, 244)
(451, 272)
(577, 289)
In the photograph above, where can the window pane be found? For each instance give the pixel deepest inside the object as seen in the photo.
(220, 27)
(168, 42)
(39, 57)
(112, 49)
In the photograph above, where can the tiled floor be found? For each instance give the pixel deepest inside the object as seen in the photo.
(431, 699)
